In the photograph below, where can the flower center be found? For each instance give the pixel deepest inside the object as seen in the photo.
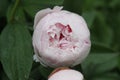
(60, 36)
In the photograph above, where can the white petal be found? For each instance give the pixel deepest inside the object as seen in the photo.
(43, 13)
(35, 58)
(57, 8)
(40, 15)
(67, 74)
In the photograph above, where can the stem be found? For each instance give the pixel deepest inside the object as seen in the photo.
(14, 10)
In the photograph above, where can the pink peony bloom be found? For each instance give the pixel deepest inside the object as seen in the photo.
(66, 74)
(60, 38)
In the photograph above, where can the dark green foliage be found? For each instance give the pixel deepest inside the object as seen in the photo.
(16, 51)
(16, 21)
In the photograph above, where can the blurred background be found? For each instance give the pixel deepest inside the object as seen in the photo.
(16, 28)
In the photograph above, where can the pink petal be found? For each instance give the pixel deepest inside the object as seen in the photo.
(40, 15)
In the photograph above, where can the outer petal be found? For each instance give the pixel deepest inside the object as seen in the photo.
(57, 8)
(67, 74)
(39, 15)
(35, 58)
(85, 49)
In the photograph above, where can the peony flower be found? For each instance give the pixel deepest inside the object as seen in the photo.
(65, 74)
(60, 38)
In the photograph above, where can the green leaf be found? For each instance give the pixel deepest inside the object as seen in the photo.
(16, 51)
(45, 71)
(119, 62)
(38, 72)
(35, 72)
(9, 12)
(73, 6)
(89, 17)
(101, 32)
(3, 7)
(99, 63)
(114, 3)
(108, 76)
(100, 48)
(32, 7)
(114, 22)
(45, 2)
(18, 15)
(3, 76)
(93, 4)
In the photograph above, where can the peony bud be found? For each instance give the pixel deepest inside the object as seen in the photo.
(60, 38)
(65, 74)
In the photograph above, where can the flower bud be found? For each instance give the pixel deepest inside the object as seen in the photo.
(60, 38)
(65, 74)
